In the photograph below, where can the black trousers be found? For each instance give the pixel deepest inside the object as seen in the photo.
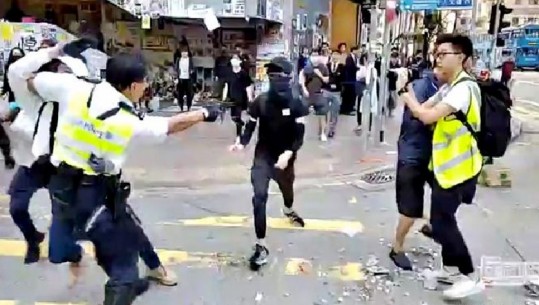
(349, 96)
(262, 171)
(235, 114)
(445, 230)
(5, 144)
(185, 89)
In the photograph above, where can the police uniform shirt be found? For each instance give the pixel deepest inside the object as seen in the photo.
(27, 151)
(62, 87)
(277, 119)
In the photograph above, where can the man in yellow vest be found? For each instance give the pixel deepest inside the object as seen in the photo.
(94, 135)
(456, 160)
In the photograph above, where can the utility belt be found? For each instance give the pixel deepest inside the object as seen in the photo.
(43, 170)
(67, 181)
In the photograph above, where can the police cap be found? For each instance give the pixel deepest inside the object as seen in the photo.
(279, 64)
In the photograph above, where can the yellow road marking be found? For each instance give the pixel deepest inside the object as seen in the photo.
(5, 302)
(274, 223)
(293, 266)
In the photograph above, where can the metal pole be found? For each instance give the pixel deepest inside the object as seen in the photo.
(366, 100)
(382, 109)
(496, 27)
(474, 16)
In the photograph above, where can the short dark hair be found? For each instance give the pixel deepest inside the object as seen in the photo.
(125, 69)
(51, 66)
(461, 43)
(341, 44)
(354, 48)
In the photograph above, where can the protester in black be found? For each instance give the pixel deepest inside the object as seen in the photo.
(239, 91)
(280, 136)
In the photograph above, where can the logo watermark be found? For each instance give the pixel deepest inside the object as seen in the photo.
(496, 272)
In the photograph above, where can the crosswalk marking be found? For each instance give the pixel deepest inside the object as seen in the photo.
(5, 302)
(322, 225)
(352, 271)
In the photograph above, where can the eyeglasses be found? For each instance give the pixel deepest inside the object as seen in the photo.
(443, 54)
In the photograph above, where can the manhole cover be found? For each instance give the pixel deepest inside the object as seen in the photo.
(379, 177)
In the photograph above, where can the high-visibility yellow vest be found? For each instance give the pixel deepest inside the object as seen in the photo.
(455, 155)
(79, 135)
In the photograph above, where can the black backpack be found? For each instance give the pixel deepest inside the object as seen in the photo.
(495, 133)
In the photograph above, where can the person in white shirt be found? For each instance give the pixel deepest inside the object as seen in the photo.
(117, 246)
(185, 79)
(31, 123)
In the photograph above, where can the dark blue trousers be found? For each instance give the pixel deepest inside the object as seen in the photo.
(23, 186)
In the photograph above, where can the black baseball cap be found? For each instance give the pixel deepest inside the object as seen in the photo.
(280, 64)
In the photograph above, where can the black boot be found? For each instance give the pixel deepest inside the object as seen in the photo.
(124, 294)
(119, 294)
(33, 252)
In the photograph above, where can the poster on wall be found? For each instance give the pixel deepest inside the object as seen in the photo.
(271, 45)
(233, 8)
(27, 36)
(154, 8)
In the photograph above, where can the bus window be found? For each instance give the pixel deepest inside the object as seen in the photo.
(527, 51)
(506, 53)
(533, 33)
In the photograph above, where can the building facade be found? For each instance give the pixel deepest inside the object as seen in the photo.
(524, 11)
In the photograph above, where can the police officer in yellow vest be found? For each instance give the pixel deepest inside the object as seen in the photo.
(93, 139)
(456, 160)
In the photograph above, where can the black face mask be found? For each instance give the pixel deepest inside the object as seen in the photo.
(280, 89)
(280, 84)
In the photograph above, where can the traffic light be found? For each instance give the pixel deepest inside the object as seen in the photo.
(497, 13)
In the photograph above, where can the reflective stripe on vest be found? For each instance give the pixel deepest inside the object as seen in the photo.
(455, 156)
(79, 135)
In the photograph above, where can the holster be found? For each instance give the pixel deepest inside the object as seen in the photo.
(116, 199)
(63, 188)
(43, 169)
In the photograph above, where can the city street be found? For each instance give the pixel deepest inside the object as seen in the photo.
(194, 199)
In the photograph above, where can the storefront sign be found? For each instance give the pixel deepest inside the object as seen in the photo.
(184, 8)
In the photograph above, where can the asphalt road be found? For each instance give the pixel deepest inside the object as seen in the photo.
(194, 200)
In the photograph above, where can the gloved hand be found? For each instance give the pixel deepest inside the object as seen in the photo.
(211, 112)
(100, 165)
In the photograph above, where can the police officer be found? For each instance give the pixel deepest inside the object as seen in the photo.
(92, 139)
(36, 126)
(281, 131)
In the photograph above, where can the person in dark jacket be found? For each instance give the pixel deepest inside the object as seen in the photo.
(414, 152)
(332, 90)
(186, 75)
(5, 145)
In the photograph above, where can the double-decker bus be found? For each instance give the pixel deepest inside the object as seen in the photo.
(522, 43)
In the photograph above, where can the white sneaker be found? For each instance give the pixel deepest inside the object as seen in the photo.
(238, 141)
(447, 275)
(463, 288)
(323, 137)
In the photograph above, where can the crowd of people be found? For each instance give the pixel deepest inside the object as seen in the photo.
(75, 134)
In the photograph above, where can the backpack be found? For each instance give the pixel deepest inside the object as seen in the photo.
(495, 130)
